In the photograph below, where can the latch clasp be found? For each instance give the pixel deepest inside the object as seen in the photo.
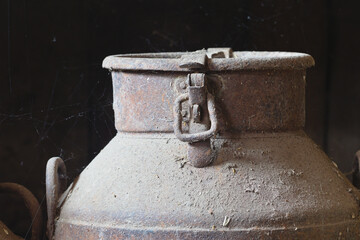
(203, 122)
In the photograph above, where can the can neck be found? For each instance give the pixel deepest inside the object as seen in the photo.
(245, 101)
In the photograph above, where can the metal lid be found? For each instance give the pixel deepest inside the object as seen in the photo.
(209, 60)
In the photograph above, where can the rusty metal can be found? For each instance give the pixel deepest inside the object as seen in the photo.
(32, 205)
(210, 145)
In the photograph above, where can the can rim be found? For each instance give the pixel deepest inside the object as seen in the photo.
(242, 60)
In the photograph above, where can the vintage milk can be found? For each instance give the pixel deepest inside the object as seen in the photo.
(210, 145)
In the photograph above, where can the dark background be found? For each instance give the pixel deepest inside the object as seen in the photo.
(55, 99)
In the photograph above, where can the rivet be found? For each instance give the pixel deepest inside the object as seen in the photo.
(183, 85)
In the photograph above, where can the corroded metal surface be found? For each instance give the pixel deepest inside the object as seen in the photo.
(247, 100)
(32, 205)
(240, 61)
(263, 177)
(266, 183)
(203, 120)
(198, 136)
(90, 232)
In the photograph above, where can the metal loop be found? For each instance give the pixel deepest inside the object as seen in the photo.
(31, 203)
(55, 186)
(194, 137)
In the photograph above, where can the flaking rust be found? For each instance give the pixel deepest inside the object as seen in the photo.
(210, 145)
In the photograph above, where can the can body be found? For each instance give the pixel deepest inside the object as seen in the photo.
(267, 179)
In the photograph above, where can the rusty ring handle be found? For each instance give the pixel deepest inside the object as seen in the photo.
(31, 203)
(55, 185)
(194, 137)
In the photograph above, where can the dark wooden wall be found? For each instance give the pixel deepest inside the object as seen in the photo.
(55, 99)
(343, 97)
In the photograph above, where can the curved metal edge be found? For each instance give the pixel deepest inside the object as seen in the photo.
(56, 183)
(86, 230)
(31, 203)
(194, 137)
(172, 62)
(177, 114)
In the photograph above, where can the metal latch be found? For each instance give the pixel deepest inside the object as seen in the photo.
(202, 111)
(203, 120)
(197, 59)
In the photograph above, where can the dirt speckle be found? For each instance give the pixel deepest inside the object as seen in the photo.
(226, 221)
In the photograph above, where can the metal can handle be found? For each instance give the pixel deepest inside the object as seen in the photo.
(55, 186)
(31, 203)
(194, 137)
